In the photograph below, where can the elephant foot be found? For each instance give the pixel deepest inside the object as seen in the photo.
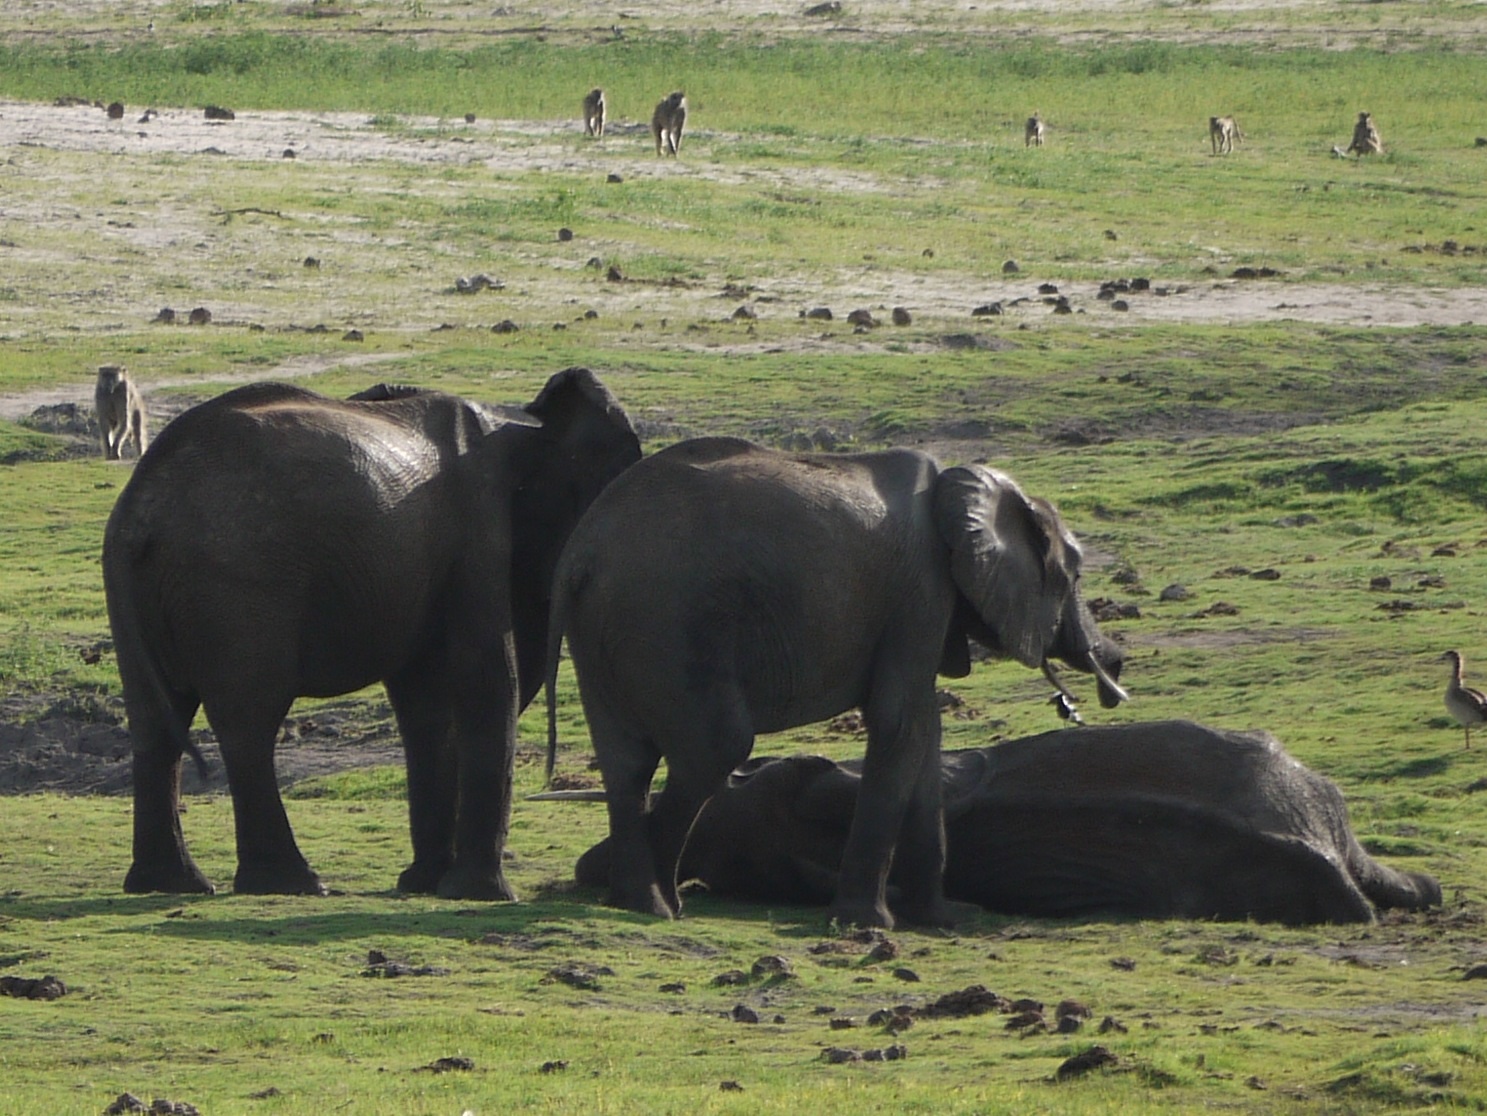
(861, 913)
(938, 915)
(181, 878)
(648, 901)
(272, 879)
(484, 884)
(422, 876)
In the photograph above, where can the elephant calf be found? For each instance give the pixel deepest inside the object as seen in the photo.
(274, 544)
(1160, 820)
(719, 589)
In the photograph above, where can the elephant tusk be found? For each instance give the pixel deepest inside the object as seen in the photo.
(1108, 684)
(567, 796)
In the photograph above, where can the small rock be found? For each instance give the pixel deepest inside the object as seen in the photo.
(908, 975)
(469, 118)
(836, 1056)
(614, 275)
(901, 316)
(730, 979)
(506, 325)
(842, 1023)
(674, 987)
(1266, 574)
(447, 1065)
(818, 314)
(614, 178)
(558, 1065)
(825, 8)
(730, 1087)
(166, 315)
(216, 112)
(1096, 1057)
(988, 310)
(1174, 592)
(1010, 267)
(200, 316)
(742, 1013)
(352, 335)
(772, 966)
(862, 318)
(745, 314)
(115, 110)
(1120, 304)
(1111, 1024)
(565, 235)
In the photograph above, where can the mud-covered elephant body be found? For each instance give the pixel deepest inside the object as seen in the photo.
(1158, 820)
(274, 544)
(719, 590)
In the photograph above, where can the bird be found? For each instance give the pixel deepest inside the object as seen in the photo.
(1065, 708)
(1467, 706)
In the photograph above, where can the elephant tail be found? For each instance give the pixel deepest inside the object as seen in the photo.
(147, 697)
(556, 622)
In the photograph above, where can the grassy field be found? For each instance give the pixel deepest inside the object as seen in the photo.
(1221, 429)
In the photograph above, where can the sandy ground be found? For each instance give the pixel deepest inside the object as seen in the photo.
(195, 236)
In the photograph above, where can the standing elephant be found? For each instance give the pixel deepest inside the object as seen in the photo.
(274, 544)
(719, 590)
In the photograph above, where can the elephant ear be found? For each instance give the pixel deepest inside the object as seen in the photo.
(1010, 557)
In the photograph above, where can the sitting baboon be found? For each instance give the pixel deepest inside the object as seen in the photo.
(121, 411)
(593, 113)
(1223, 131)
(667, 123)
(1366, 139)
(1033, 131)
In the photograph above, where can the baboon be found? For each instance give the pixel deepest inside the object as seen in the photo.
(667, 123)
(121, 411)
(593, 113)
(1033, 132)
(1223, 131)
(1366, 139)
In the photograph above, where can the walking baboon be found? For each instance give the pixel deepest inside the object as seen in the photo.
(667, 123)
(593, 113)
(1223, 131)
(121, 411)
(1366, 139)
(1033, 131)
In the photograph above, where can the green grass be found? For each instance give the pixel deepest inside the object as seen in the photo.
(822, 165)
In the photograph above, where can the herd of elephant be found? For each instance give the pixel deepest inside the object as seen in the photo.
(273, 543)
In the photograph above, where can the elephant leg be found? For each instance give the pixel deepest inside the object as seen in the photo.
(161, 862)
(269, 861)
(422, 704)
(484, 687)
(900, 787)
(696, 769)
(627, 762)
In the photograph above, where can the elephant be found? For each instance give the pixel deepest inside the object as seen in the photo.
(274, 544)
(1166, 819)
(720, 589)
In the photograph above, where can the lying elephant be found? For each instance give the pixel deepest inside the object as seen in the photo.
(719, 590)
(1162, 820)
(273, 543)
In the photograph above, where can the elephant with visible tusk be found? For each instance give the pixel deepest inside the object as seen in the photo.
(719, 590)
(273, 543)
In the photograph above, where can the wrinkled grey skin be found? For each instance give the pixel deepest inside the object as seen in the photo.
(719, 590)
(274, 544)
(1161, 820)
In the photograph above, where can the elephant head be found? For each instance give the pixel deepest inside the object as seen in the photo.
(1017, 568)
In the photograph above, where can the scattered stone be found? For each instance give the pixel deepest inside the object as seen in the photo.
(447, 1065)
(1218, 608)
(730, 979)
(772, 966)
(862, 318)
(289, 153)
(1010, 267)
(742, 1013)
(1140, 284)
(902, 317)
(1476, 972)
(1111, 1024)
(825, 8)
(312, 263)
(1110, 235)
(266, 1094)
(908, 975)
(745, 313)
(505, 325)
(380, 965)
(1254, 273)
(565, 235)
(842, 1023)
(1266, 574)
(613, 178)
(887, 1054)
(1174, 592)
(576, 974)
(216, 112)
(1061, 305)
(614, 275)
(674, 987)
(836, 1056)
(30, 988)
(1124, 964)
(1072, 1009)
(166, 315)
(730, 1087)
(353, 335)
(557, 1065)
(1031, 1022)
(886, 950)
(590, 315)
(469, 118)
(1047, 289)
(1120, 304)
(115, 110)
(1104, 610)
(200, 315)
(125, 1102)
(973, 1000)
(1096, 1057)
(1445, 550)
(818, 314)
(988, 310)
